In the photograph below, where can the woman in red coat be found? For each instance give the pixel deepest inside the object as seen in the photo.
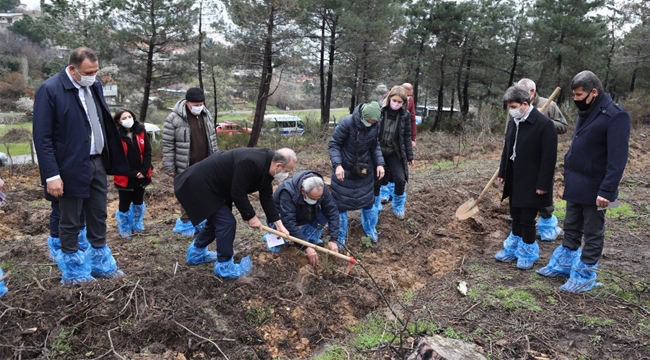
(136, 145)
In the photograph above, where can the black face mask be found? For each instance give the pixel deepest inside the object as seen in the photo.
(582, 104)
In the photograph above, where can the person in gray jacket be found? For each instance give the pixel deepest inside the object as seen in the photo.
(188, 137)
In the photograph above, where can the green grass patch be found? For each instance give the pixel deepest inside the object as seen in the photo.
(593, 322)
(334, 352)
(560, 209)
(257, 315)
(517, 300)
(371, 332)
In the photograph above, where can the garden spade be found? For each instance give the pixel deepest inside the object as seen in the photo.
(470, 208)
(350, 259)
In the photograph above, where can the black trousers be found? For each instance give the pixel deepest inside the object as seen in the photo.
(523, 223)
(135, 196)
(395, 173)
(55, 216)
(546, 212)
(94, 207)
(587, 221)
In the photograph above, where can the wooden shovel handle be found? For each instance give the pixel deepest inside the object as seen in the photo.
(550, 99)
(306, 243)
(487, 187)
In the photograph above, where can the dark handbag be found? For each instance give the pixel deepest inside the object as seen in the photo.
(360, 170)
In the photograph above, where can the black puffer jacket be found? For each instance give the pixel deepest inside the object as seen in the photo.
(138, 162)
(352, 140)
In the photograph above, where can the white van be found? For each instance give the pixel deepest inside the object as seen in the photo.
(284, 124)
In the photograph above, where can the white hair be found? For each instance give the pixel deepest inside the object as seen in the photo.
(311, 183)
(527, 84)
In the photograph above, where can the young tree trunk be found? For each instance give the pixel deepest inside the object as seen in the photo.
(147, 82)
(330, 71)
(265, 83)
(441, 94)
(200, 68)
(321, 73)
(214, 94)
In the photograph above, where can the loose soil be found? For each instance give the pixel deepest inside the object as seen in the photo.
(165, 309)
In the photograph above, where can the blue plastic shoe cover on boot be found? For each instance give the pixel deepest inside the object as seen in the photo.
(102, 263)
(124, 223)
(369, 218)
(184, 228)
(198, 255)
(55, 246)
(509, 248)
(560, 263)
(230, 270)
(343, 227)
(547, 229)
(82, 240)
(75, 267)
(313, 234)
(582, 278)
(138, 212)
(386, 192)
(377, 205)
(3, 287)
(199, 227)
(398, 205)
(526, 255)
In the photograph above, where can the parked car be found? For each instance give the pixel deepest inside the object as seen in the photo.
(4, 159)
(423, 112)
(284, 124)
(230, 128)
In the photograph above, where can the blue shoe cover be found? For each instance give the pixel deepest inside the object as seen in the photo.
(582, 278)
(184, 228)
(3, 287)
(547, 229)
(369, 218)
(386, 192)
(377, 205)
(526, 255)
(138, 212)
(102, 263)
(398, 205)
(55, 246)
(560, 263)
(124, 223)
(509, 248)
(343, 227)
(199, 227)
(198, 255)
(312, 234)
(82, 240)
(230, 270)
(75, 267)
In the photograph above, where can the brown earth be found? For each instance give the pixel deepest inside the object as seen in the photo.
(165, 309)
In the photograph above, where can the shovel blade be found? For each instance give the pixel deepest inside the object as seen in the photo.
(467, 210)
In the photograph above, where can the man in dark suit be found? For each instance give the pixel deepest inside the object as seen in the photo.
(77, 145)
(527, 169)
(593, 168)
(208, 189)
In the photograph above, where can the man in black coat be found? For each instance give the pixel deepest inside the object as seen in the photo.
(306, 206)
(527, 170)
(593, 168)
(208, 189)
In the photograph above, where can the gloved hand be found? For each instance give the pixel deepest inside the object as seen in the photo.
(312, 255)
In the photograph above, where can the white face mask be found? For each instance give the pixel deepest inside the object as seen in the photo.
(516, 114)
(366, 123)
(196, 110)
(127, 123)
(310, 201)
(281, 176)
(85, 80)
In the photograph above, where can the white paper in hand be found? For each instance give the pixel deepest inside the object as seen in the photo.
(273, 240)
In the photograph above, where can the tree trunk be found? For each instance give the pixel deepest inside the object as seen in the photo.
(321, 72)
(214, 94)
(361, 79)
(441, 96)
(147, 84)
(200, 68)
(265, 83)
(330, 69)
(464, 102)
